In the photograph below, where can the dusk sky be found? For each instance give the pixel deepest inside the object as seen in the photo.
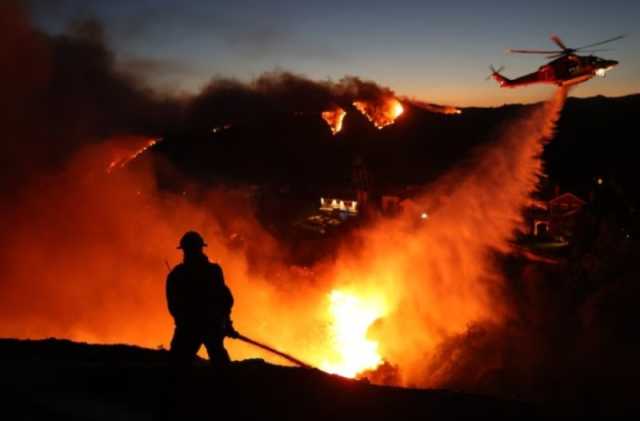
(434, 51)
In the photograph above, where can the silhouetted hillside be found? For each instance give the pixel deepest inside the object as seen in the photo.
(596, 137)
(54, 379)
(300, 151)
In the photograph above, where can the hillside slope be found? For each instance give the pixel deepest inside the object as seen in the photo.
(57, 379)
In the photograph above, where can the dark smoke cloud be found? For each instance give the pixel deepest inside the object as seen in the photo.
(70, 91)
(84, 94)
(223, 100)
(351, 88)
(63, 92)
(242, 32)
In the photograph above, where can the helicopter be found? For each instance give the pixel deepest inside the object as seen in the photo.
(567, 68)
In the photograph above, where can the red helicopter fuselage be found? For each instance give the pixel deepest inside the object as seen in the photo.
(567, 70)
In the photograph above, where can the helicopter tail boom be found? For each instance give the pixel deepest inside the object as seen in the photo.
(504, 82)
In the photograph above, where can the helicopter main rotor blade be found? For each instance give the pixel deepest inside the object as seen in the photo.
(534, 51)
(597, 50)
(559, 42)
(602, 42)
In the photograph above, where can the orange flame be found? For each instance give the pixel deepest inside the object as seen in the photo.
(380, 113)
(121, 162)
(351, 318)
(334, 119)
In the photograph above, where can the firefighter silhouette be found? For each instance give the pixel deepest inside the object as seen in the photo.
(200, 303)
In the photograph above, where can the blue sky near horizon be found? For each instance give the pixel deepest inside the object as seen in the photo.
(435, 51)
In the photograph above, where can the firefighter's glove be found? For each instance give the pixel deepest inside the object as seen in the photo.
(230, 331)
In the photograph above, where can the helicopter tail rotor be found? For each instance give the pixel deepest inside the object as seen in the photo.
(494, 72)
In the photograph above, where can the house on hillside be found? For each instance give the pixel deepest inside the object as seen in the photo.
(559, 217)
(340, 205)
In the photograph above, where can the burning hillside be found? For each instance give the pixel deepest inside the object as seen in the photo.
(382, 112)
(334, 119)
(123, 158)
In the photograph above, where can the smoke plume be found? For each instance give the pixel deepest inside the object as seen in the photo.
(64, 92)
(225, 101)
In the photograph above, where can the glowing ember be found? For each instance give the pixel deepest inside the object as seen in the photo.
(123, 161)
(380, 113)
(334, 119)
(452, 110)
(351, 318)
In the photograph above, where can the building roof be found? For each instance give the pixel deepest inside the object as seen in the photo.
(567, 198)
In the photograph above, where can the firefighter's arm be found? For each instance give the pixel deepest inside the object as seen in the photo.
(225, 293)
(226, 303)
(172, 298)
(230, 331)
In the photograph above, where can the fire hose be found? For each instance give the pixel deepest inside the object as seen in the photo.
(272, 350)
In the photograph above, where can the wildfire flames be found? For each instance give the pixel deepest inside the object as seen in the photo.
(123, 161)
(334, 119)
(381, 113)
(351, 319)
